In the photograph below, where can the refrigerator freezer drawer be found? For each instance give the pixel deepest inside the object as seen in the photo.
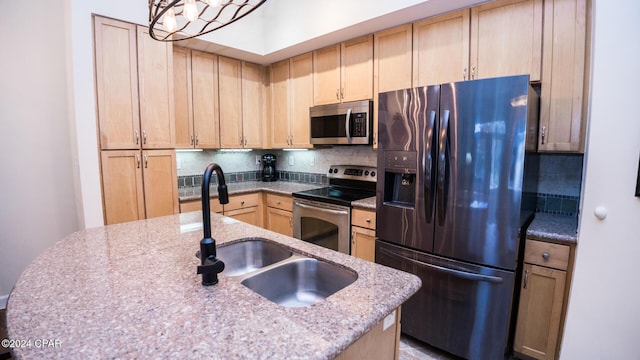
(462, 308)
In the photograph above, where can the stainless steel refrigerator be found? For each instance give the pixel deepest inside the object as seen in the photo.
(456, 178)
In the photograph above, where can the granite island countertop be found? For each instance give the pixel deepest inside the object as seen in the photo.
(131, 291)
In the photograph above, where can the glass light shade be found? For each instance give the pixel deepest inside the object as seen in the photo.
(190, 11)
(169, 22)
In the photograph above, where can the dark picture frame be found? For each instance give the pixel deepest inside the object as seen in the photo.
(638, 180)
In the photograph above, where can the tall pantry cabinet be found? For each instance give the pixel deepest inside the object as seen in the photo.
(134, 89)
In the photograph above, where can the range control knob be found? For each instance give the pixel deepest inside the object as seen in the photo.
(373, 173)
(366, 172)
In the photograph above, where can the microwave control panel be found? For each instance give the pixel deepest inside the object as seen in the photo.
(359, 125)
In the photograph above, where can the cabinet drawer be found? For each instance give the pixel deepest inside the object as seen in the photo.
(282, 202)
(363, 218)
(196, 205)
(546, 254)
(242, 201)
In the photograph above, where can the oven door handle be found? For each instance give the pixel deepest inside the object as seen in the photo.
(317, 208)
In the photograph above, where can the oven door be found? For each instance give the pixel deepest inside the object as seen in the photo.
(322, 224)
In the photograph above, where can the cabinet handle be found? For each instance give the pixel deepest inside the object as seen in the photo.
(144, 137)
(341, 93)
(473, 72)
(375, 138)
(242, 203)
(464, 74)
(196, 140)
(137, 134)
(337, 94)
(544, 133)
(138, 161)
(290, 222)
(545, 256)
(192, 140)
(146, 161)
(526, 278)
(241, 141)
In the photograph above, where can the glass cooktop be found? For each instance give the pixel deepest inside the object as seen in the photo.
(335, 195)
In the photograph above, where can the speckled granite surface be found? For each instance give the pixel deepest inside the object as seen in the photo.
(131, 291)
(368, 203)
(557, 228)
(278, 187)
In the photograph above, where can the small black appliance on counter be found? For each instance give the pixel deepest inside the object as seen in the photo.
(269, 168)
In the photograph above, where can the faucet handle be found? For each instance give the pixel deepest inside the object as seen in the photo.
(210, 270)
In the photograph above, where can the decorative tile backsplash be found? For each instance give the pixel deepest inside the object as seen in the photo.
(559, 180)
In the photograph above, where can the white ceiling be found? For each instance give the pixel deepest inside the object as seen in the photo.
(280, 29)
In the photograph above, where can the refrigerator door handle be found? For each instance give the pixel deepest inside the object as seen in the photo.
(457, 273)
(442, 166)
(428, 182)
(346, 125)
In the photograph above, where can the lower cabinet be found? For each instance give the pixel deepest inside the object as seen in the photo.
(138, 184)
(382, 342)
(542, 299)
(243, 207)
(278, 214)
(363, 234)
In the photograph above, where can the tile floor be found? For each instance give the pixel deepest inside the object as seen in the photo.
(411, 349)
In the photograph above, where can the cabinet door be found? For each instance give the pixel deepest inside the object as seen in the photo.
(160, 183)
(206, 123)
(253, 105)
(563, 97)
(391, 65)
(249, 215)
(356, 69)
(539, 312)
(363, 243)
(117, 84)
(301, 100)
(441, 49)
(279, 132)
(122, 187)
(183, 111)
(230, 90)
(506, 39)
(326, 75)
(279, 221)
(155, 71)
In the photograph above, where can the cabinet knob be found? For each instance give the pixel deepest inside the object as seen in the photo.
(368, 220)
(242, 202)
(545, 256)
(543, 133)
(278, 202)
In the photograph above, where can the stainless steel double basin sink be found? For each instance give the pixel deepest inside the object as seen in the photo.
(281, 275)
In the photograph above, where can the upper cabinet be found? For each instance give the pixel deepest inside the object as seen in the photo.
(441, 49)
(500, 38)
(291, 97)
(343, 72)
(254, 110)
(134, 86)
(564, 73)
(506, 39)
(391, 65)
(206, 120)
(230, 92)
(183, 109)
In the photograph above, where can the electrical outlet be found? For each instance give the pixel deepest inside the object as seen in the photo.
(257, 159)
(291, 160)
(312, 161)
(178, 164)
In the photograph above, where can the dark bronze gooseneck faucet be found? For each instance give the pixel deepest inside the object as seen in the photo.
(210, 267)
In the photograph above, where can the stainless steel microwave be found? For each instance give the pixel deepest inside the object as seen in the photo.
(348, 123)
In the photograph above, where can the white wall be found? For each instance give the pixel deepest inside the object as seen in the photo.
(604, 305)
(36, 182)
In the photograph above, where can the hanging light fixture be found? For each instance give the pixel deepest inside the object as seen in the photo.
(191, 18)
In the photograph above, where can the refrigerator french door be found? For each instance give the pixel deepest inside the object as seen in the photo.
(451, 168)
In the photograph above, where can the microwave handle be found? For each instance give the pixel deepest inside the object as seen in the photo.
(346, 125)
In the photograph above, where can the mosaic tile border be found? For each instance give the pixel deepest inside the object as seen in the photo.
(300, 177)
(557, 204)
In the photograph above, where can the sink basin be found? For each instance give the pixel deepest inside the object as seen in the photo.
(250, 254)
(300, 281)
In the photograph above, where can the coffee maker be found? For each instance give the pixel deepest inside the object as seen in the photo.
(269, 168)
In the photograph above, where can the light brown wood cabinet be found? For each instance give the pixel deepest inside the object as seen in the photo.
(564, 85)
(278, 215)
(205, 101)
(542, 299)
(243, 207)
(254, 105)
(182, 95)
(391, 65)
(500, 38)
(134, 87)
(138, 184)
(196, 205)
(291, 97)
(382, 342)
(343, 72)
(363, 234)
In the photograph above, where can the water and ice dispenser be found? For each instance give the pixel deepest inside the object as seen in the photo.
(400, 178)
